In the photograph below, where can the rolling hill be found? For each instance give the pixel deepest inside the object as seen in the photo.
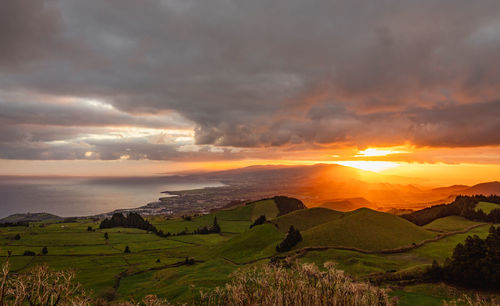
(487, 207)
(306, 218)
(347, 204)
(365, 229)
(256, 243)
(171, 266)
(483, 188)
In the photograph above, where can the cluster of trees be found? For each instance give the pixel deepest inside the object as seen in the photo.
(260, 220)
(476, 263)
(287, 205)
(134, 220)
(19, 223)
(204, 230)
(292, 238)
(464, 206)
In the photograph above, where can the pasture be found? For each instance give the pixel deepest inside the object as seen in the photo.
(157, 265)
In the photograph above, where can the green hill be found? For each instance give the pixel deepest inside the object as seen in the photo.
(365, 229)
(258, 242)
(451, 223)
(487, 207)
(235, 220)
(306, 218)
(266, 208)
(30, 217)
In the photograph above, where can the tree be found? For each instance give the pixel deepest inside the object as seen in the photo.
(260, 220)
(106, 236)
(89, 228)
(127, 249)
(45, 251)
(215, 227)
(17, 237)
(475, 263)
(292, 238)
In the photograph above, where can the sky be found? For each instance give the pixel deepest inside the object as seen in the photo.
(125, 87)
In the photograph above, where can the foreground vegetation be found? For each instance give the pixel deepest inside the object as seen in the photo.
(366, 244)
(266, 285)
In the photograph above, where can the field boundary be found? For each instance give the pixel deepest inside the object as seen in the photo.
(302, 252)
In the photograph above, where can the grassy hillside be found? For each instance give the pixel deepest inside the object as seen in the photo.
(365, 229)
(266, 208)
(36, 217)
(235, 220)
(256, 243)
(451, 223)
(487, 207)
(156, 265)
(306, 218)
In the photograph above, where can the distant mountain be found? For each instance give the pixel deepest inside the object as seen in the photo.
(483, 188)
(341, 188)
(30, 217)
(347, 204)
(451, 189)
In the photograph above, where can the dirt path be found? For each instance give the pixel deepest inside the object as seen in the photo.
(245, 263)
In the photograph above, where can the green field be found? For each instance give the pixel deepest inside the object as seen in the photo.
(153, 266)
(450, 224)
(487, 207)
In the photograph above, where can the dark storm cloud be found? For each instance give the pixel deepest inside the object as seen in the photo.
(80, 114)
(256, 73)
(30, 31)
(459, 125)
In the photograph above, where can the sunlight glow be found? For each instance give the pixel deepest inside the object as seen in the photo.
(377, 152)
(375, 166)
(100, 104)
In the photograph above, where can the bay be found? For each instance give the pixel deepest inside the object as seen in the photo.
(69, 196)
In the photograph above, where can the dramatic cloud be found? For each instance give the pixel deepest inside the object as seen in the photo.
(287, 74)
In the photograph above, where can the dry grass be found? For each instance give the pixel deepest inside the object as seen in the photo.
(297, 285)
(266, 285)
(41, 286)
(466, 300)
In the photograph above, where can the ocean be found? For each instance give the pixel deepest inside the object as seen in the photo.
(67, 197)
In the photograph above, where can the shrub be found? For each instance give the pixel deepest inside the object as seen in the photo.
(466, 300)
(45, 251)
(127, 249)
(299, 285)
(17, 237)
(29, 253)
(42, 286)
